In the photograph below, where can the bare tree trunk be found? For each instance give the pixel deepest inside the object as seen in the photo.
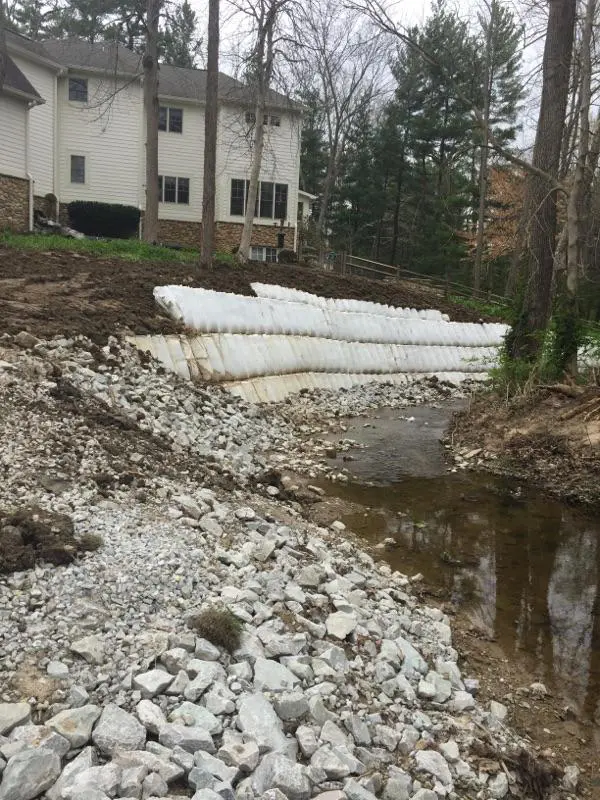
(263, 64)
(252, 194)
(150, 63)
(483, 160)
(210, 135)
(328, 185)
(541, 193)
(576, 196)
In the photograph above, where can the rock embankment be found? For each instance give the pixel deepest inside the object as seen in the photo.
(215, 644)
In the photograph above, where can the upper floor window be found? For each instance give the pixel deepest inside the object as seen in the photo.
(77, 169)
(173, 190)
(268, 119)
(78, 90)
(170, 119)
(271, 201)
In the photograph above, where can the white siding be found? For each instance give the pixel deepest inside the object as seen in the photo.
(41, 126)
(281, 159)
(181, 155)
(13, 114)
(107, 132)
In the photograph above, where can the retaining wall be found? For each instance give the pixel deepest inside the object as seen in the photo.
(264, 348)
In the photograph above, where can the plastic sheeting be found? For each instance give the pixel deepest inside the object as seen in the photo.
(219, 312)
(274, 292)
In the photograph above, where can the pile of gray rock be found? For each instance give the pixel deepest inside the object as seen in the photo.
(344, 686)
(343, 682)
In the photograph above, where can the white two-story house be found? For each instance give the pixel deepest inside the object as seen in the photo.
(83, 138)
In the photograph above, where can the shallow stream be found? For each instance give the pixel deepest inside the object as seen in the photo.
(524, 567)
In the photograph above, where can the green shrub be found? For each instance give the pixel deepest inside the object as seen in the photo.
(287, 257)
(109, 220)
(88, 542)
(218, 625)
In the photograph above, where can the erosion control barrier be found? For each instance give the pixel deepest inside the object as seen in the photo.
(264, 348)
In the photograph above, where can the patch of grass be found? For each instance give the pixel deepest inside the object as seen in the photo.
(222, 259)
(127, 249)
(89, 542)
(503, 312)
(219, 625)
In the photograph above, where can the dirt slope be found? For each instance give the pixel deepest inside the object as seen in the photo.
(58, 293)
(549, 439)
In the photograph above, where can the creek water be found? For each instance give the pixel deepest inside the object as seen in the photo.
(524, 567)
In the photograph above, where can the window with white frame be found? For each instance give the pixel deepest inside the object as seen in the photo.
(263, 253)
(271, 201)
(173, 190)
(77, 169)
(170, 119)
(78, 90)
(268, 119)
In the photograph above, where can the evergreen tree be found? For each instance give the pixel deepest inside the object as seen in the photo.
(313, 152)
(358, 200)
(36, 19)
(180, 44)
(501, 93)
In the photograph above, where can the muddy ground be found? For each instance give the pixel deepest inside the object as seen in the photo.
(59, 293)
(548, 439)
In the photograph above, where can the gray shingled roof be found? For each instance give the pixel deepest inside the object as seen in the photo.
(15, 80)
(24, 43)
(189, 84)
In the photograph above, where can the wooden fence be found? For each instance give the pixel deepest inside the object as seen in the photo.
(345, 264)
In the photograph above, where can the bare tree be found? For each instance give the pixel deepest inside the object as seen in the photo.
(266, 18)
(151, 109)
(210, 135)
(501, 93)
(583, 173)
(344, 63)
(526, 339)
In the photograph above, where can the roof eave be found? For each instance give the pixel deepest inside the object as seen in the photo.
(103, 71)
(27, 97)
(14, 49)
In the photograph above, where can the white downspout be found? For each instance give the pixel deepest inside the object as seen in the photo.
(55, 166)
(27, 172)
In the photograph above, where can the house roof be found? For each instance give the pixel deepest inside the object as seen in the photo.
(186, 84)
(16, 83)
(16, 42)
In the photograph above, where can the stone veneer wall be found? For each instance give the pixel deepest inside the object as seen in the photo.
(228, 234)
(14, 204)
(177, 232)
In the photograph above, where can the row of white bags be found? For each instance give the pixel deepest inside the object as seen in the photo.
(274, 292)
(208, 311)
(237, 356)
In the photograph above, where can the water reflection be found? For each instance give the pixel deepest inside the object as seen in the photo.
(525, 566)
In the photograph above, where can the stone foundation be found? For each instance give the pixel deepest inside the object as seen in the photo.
(14, 204)
(228, 234)
(172, 231)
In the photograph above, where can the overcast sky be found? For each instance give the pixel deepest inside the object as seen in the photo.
(410, 12)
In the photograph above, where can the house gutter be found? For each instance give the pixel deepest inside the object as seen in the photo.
(55, 181)
(30, 179)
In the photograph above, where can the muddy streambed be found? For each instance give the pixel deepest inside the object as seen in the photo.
(523, 569)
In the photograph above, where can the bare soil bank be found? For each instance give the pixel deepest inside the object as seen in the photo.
(549, 439)
(64, 294)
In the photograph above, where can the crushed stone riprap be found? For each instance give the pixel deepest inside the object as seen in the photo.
(343, 684)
